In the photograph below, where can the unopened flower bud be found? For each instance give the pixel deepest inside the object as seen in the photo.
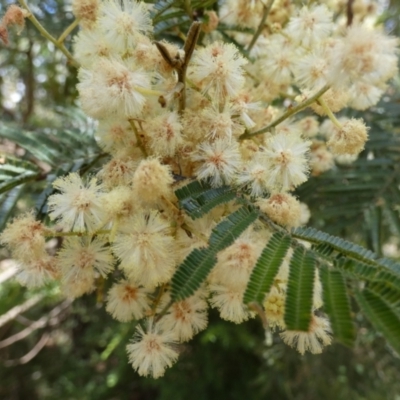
(211, 23)
(282, 208)
(86, 11)
(15, 16)
(151, 181)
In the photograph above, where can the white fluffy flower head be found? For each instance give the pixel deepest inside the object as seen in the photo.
(285, 154)
(151, 351)
(78, 206)
(218, 161)
(112, 90)
(124, 22)
(219, 67)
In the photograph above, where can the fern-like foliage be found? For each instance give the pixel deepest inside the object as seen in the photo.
(15, 172)
(347, 260)
(192, 273)
(226, 232)
(48, 154)
(385, 319)
(345, 247)
(197, 201)
(169, 14)
(359, 200)
(337, 306)
(198, 264)
(298, 305)
(266, 268)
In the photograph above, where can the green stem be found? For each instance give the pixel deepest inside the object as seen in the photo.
(267, 9)
(139, 142)
(64, 234)
(47, 35)
(287, 114)
(188, 8)
(67, 31)
(148, 92)
(329, 113)
(161, 291)
(163, 311)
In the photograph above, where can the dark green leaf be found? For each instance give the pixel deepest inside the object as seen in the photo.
(192, 273)
(227, 231)
(382, 316)
(299, 296)
(346, 248)
(266, 268)
(200, 204)
(8, 202)
(337, 306)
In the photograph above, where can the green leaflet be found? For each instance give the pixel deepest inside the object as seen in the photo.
(201, 202)
(66, 150)
(336, 304)
(192, 273)
(373, 217)
(324, 250)
(299, 296)
(227, 231)
(391, 294)
(344, 247)
(7, 203)
(195, 268)
(192, 189)
(372, 274)
(266, 268)
(52, 148)
(382, 316)
(14, 172)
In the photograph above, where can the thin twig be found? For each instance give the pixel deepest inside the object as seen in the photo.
(350, 12)
(11, 314)
(287, 114)
(50, 233)
(9, 271)
(40, 323)
(181, 65)
(267, 9)
(161, 291)
(190, 44)
(139, 142)
(47, 35)
(67, 31)
(329, 113)
(32, 354)
(163, 311)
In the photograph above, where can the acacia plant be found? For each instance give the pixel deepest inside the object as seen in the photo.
(204, 139)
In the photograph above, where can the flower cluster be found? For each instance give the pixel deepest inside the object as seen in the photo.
(167, 115)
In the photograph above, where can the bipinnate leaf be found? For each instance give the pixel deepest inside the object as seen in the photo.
(192, 189)
(346, 248)
(299, 296)
(192, 273)
(336, 305)
(201, 203)
(384, 318)
(381, 280)
(198, 264)
(8, 202)
(266, 268)
(227, 231)
(14, 172)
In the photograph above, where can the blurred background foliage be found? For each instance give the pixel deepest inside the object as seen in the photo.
(76, 350)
